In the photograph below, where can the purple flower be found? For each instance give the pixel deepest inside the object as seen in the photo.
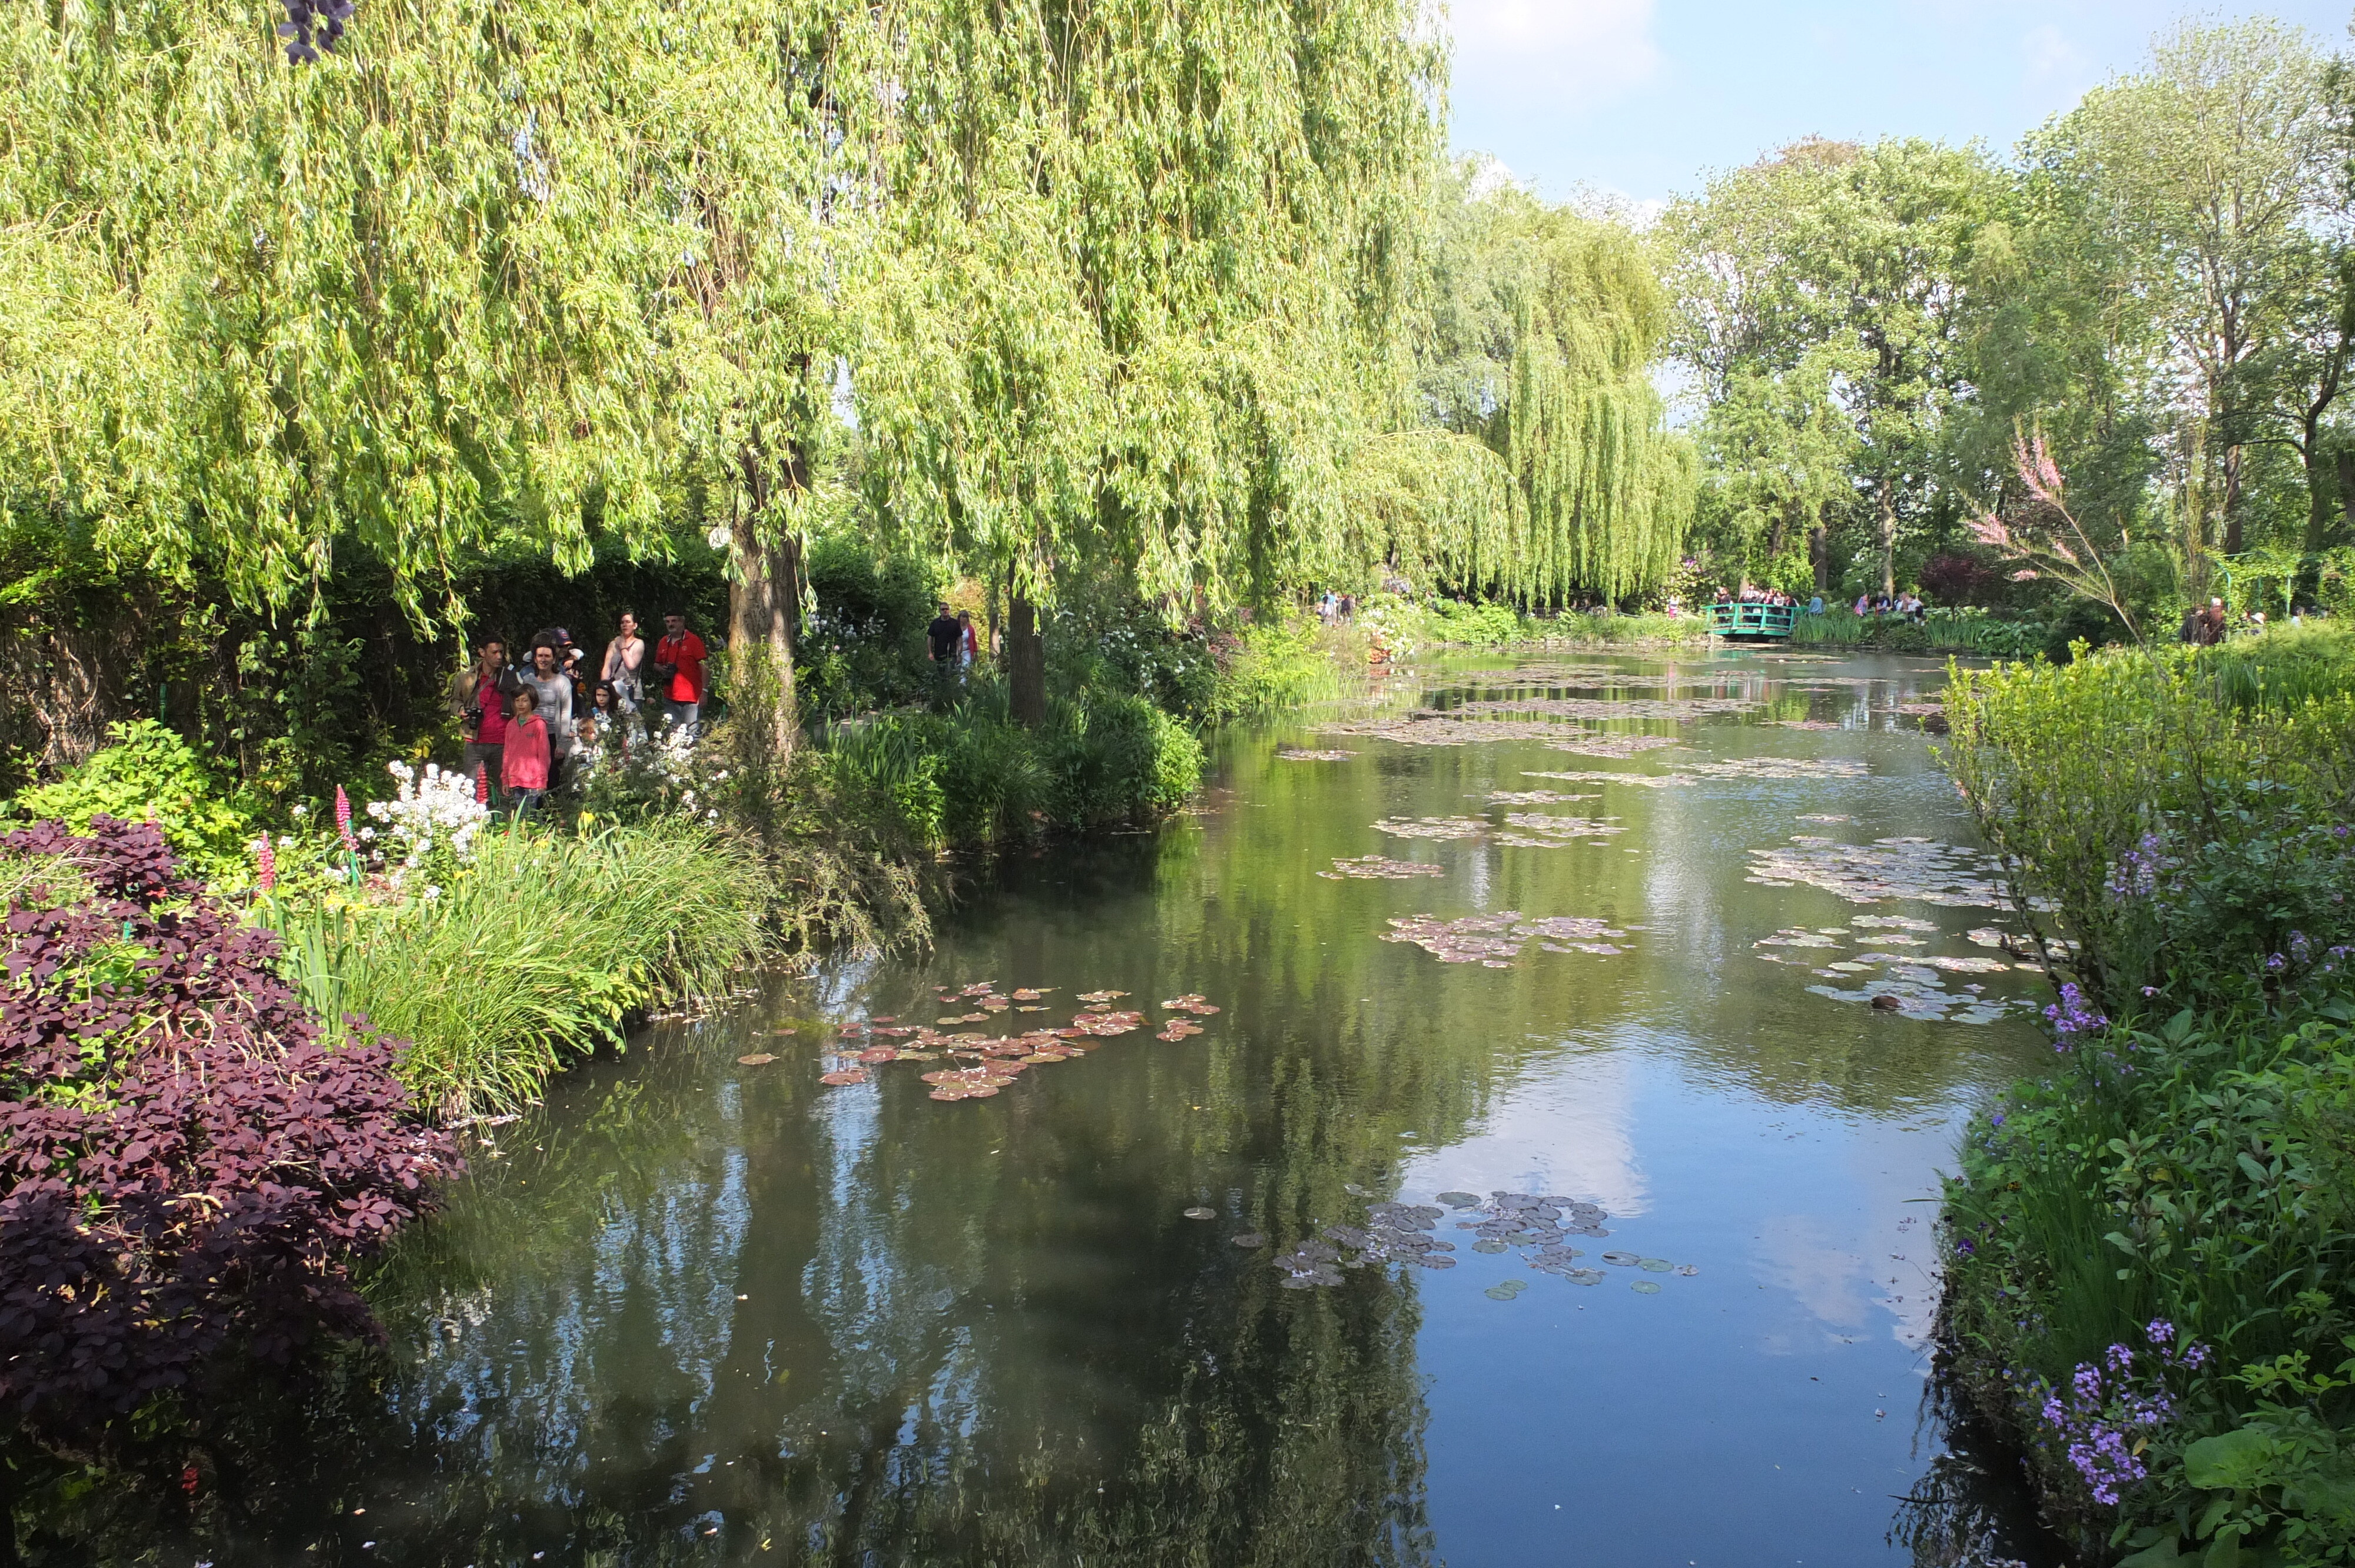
(2160, 1331)
(1964, 1248)
(2071, 1017)
(1996, 1120)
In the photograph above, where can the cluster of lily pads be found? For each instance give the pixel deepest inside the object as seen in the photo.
(1301, 754)
(1393, 1233)
(1614, 745)
(1919, 869)
(1775, 768)
(1375, 867)
(1521, 830)
(1536, 797)
(1541, 1226)
(1596, 775)
(1540, 830)
(985, 1065)
(1886, 974)
(1681, 710)
(1495, 940)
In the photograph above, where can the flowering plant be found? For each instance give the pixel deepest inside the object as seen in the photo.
(2104, 1418)
(428, 828)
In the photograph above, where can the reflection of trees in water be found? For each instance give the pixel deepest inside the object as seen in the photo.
(965, 1338)
(1968, 1509)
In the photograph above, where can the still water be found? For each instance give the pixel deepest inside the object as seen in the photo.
(698, 1311)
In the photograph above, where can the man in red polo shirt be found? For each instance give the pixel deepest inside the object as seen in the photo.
(678, 673)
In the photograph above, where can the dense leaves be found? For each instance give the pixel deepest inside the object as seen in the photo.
(189, 1173)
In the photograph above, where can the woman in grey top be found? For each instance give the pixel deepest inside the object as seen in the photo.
(554, 688)
(624, 656)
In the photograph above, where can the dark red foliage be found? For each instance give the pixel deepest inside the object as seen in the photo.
(1950, 577)
(185, 1170)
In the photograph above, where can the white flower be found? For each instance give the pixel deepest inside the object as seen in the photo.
(301, 811)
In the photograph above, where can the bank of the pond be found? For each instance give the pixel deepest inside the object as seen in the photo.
(2148, 1245)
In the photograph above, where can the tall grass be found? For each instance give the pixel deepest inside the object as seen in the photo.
(542, 947)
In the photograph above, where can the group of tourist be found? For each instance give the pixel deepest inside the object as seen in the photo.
(540, 725)
(2206, 625)
(1907, 606)
(1335, 609)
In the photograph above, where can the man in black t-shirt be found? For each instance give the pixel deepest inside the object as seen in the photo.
(942, 639)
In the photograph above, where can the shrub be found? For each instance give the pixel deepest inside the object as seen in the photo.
(2145, 1278)
(191, 1174)
(1275, 665)
(1118, 760)
(2174, 840)
(150, 774)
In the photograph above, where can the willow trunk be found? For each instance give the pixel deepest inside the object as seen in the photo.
(763, 604)
(1026, 661)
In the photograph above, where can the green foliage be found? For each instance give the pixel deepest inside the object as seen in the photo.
(1971, 631)
(1550, 472)
(970, 777)
(863, 642)
(2175, 836)
(542, 947)
(2172, 831)
(1279, 664)
(2187, 1172)
(148, 772)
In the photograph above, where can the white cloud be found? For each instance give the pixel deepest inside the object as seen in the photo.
(2048, 54)
(1594, 50)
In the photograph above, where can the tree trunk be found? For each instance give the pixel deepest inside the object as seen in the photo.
(1887, 539)
(2232, 500)
(1819, 556)
(1026, 661)
(2346, 490)
(762, 607)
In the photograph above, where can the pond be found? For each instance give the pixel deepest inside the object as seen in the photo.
(1550, 1180)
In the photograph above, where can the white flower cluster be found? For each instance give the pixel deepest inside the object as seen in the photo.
(429, 807)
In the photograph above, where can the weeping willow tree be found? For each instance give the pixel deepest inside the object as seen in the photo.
(1546, 470)
(493, 271)
(1136, 302)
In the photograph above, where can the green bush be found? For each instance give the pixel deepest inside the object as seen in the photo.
(2195, 1176)
(2150, 1247)
(971, 777)
(151, 772)
(542, 946)
(2173, 839)
(862, 646)
(1275, 665)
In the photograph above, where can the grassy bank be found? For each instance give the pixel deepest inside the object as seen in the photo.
(2149, 1243)
(1963, 632)
(1404, 625)
(540, 946)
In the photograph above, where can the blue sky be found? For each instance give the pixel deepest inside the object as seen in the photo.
(1643, 97)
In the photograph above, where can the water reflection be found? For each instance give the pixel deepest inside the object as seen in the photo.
(699, 1311)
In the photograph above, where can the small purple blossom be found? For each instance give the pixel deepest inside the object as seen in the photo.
(1964, 1248)
(1996, 1120)
(2071, 1017)
(2111, 1403)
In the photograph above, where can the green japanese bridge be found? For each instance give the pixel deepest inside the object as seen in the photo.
(1743, 621)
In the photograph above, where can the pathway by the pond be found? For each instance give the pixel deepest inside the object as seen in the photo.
(1527, 1173)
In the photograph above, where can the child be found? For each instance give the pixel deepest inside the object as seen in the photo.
(524, 770)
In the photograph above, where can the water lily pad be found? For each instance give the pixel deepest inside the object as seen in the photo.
(1250, 1239)
(1645, 1288)
(758, 1059)
(1459, 1200)
(846, 1076)
(1198, 1213)
(1380, 868)
(1623, 1260)
(1488, 1243)
(1290, 754)
(1654, 1264)
(1584, 1275)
